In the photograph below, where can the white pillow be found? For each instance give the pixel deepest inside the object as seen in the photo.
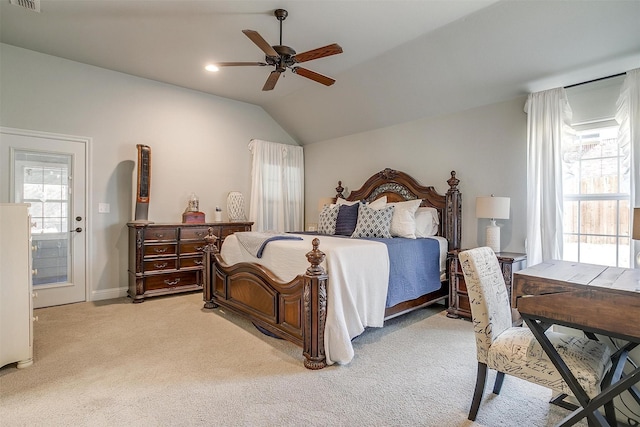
(378, 203)
(427, 222)
(403, 223)
(346, 202)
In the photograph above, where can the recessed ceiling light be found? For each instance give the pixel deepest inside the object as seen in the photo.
(212, 68)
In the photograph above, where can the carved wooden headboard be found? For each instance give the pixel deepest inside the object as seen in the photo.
(399, 186)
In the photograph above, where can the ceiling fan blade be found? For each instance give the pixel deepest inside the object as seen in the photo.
(260, 42)
(271, 80)
(321, 52)
(240, 64)
(327, 81)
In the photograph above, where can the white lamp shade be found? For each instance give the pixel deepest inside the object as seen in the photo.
(493, 207)
(635, 233)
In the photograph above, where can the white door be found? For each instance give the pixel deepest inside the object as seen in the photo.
(48, 171)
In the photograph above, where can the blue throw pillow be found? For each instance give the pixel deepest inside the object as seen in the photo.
(347, 219)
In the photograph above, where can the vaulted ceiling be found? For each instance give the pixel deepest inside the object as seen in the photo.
(402, 60)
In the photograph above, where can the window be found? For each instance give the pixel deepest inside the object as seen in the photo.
(596, 196)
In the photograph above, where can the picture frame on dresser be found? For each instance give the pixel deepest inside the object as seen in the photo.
(166, 258)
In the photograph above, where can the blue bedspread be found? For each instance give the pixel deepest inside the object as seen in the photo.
(414, 268)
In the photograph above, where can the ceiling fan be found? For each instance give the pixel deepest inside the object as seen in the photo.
(282, 57)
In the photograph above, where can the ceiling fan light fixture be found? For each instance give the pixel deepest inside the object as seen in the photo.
(282, 57)
(212, 68)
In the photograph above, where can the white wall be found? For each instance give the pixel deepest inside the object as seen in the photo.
(198, 142)
(485, 146)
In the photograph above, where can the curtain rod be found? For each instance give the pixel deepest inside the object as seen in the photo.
(595, 80)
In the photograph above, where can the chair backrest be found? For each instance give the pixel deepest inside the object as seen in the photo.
(488, 297)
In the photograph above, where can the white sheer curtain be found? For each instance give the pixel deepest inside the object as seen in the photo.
(548, 118)
(628, 116)
(277, 186)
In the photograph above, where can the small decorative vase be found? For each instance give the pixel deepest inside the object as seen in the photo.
(235, 206)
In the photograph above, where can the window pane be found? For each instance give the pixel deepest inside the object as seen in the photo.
(599, 176)
(624, 252)
(625, 218)
(598, 250)
(570, 250)
(598, 217)
(570, 213)
(596, 230)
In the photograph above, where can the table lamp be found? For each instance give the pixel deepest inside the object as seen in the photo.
(635, 232)
(493, 208)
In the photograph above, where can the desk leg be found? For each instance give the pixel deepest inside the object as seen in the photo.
(594, 416)
(606, 396)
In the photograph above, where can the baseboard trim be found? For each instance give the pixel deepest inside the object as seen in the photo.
(109, 294)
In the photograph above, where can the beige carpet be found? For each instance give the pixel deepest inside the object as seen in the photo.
(168, 362)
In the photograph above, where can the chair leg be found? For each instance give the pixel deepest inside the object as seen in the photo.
(498, 384)
(477, 394)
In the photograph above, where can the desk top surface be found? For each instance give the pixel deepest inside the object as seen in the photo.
(585, 296)
(588, 275)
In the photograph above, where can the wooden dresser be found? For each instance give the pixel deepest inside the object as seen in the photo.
(167, 258)
(510, 262)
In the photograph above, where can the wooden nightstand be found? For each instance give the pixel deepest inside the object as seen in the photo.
(510, 262)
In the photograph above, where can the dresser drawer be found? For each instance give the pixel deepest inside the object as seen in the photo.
(160, 249)
(160, 264)
(160, 233)
(193, 233)
(191, 261)
(230, 229)
(191, 248)
(174, 280)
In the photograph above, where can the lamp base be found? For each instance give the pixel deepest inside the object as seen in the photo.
(493, 236)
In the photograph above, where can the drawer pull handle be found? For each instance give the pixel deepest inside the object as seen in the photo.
(200, 233)
(160, 250)
(199, 248)
(172, 282)
(160, 265)
(159, 235)
(197, 262)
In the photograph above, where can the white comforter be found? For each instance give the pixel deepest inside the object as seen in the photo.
(358, 277)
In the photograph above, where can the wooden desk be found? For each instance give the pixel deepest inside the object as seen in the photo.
(593, 298)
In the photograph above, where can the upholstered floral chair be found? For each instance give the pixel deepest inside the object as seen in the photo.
(515, 350)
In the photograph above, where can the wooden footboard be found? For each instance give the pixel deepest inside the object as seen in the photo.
(295, 310)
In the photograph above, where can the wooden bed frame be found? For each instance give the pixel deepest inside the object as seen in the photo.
(296, 310)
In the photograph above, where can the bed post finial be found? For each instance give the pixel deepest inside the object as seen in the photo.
(339, 191)
(453, 181)
(315, 258)
(315, 309)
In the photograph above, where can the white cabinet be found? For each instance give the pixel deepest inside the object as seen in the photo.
(16, 307)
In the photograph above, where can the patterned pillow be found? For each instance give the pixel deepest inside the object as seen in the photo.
(347, 219)
(327, 220)
(374, 222)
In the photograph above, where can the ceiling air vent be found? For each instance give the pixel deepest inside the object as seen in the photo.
(28, 4)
